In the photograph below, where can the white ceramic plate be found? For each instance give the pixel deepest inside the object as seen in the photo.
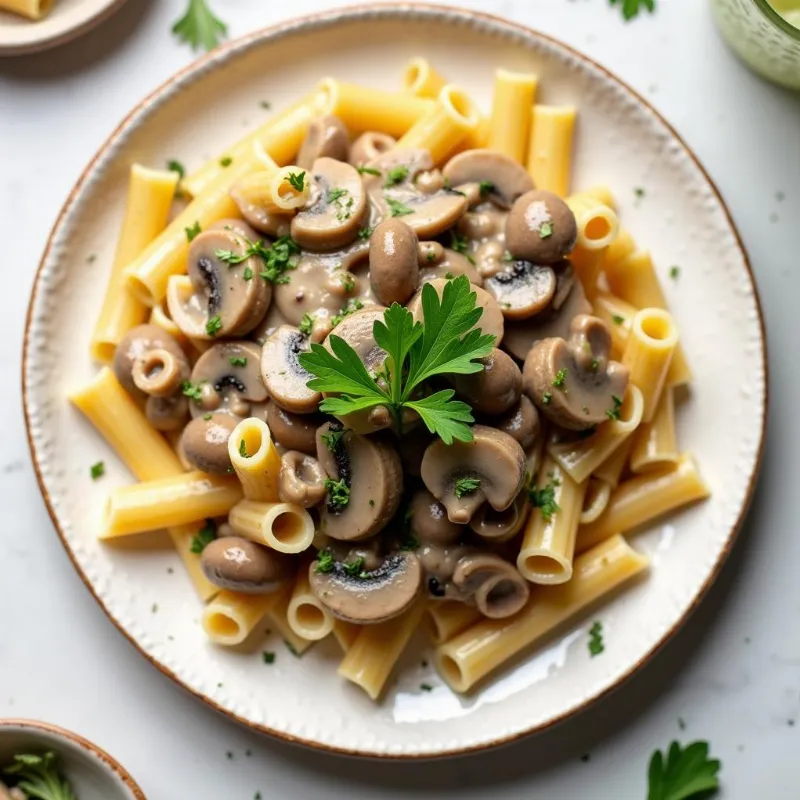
(92, 773)
(621, 141)
(67, 20)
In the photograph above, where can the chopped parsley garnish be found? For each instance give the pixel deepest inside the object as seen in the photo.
(426, 687)
(194, 391)
(631, 8)
(449, 275)
(278, 257)
(683, 774)
(199, 28)
(192, 231)
(560, 381)
(207, 417)
(297, 180)
(464, 486)
(332, 439)
(368, 171)
(396, 175)
(674, 272)
(545, 499)
(243, 449)
(348, 281)
(484, 187)
(397, 208)
(461, 245)
(546, 398)
(409, 541)
(545, 230)
(336, 194)
(176, 166)
(268, 657)
(238, 361)
(356, 568)
(214, 325)
(365, 233)
(613, 413)
(352, 305)
(617, 319)
(97, 470)
(247, 274)
(596, 645)
(306, 324)
(595, 365)
(225, 161)
(343, 202)
(638, 191)
(507, 256)
(325, 562)
(338, 493)
(204, 537)
(265, 104)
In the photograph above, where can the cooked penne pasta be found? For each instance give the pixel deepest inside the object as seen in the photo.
(279, 191)
(345, 633)
(477, 651)
(421, 79)
(598, 493)
(597, 223)
(32, 9)
(232, 616)
(618, 315)
(587, 264)
(512, 113)
(306, 614)
(478, 136)
(643, 498)
(550, 149)
(610, 471)
(446, 618)
(159, 315)
(548, 543)
(277, 614)
(602, 194)
(579, 457)
(256, 460)
(284, 527)
(655, 444)
(623, 246)
(147, 207)
(183, 537)
(372, 656)
(648, 355)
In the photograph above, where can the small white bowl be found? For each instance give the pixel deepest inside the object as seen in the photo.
(92, 773)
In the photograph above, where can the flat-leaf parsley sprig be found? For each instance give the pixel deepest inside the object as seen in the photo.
(685, 772)
(199, 28)
(446, 342)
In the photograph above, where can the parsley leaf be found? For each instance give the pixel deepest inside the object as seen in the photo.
(631, 8)
(397, 208)
(396, 175)
(225, 161)
(243, 449)
(40, 776)
(306, 324)
(97, 470)
(268, 657)
(176, 166)
(199, 28)
(355, 568)
(325, 562)
(350, 307)
(686, 773)
(296, 180)
(461, 245)
(545, 499)
(237, 361)
(465, 486)
(193, 230)
(332, 438)
(560, 381)
(214, 325)
(674, 272)
(365, 233)
(279, 258)
(546, 398)
(204, 537)
(194, 391)
(368, 171)
(596, 645)
(617, 319)
(485, 187)
(613, 413)
(338, 493)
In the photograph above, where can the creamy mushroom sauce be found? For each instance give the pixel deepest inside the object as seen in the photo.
(395, 517)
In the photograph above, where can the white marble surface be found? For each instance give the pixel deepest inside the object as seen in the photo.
(732, 675)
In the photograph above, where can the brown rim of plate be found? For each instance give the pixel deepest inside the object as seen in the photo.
(331, 18)
(84, 744)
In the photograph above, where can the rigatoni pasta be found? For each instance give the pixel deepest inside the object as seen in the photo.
(512, 112)
(549, 158)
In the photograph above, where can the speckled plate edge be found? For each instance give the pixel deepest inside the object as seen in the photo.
(479, 21)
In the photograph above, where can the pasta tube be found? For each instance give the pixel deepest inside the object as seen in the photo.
(284, 527)
(256, 460)
(550, 149)
(446, 618)
(421, 79)
(587, 264)
(275, 191)
(548, 543)
(512, 113)
(147, 207)
(306, 615)
(372, 656)
(32, 9)
(597, 223)
(648, 354)
(617, 314)
(232, 616)
(579, 458)
(612, 468)
(598, 493)
(620, 248)
(643, 498)
(473, 654)
(277, 613)
(159, 315)
(345, 633)
(477, 137)
(655, 444)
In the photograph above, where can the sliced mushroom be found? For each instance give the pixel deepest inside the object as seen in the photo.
(522, 289)
(204, 442)
(521, 422)
(450, 265)
(500, 526)
(229, 378)
(271, 322)
(519, 337)
(240, 565)
(494, 585)
(293, 431)
(263, 220)
(573, 382)
(411, 446)
(483, 236)
(367, 552)
(395, 193)
(371, 470)
(369, 146)
(217, 299)
(429, 520)
(240, 228)
(541, 228)
(337, 211)
(167, 413)
(301, 480)
(493, 390)
(370, 596)
(161, 372)
(135, 344)
(393, 262)
(463, 475)
(286, 380)
(507, 177)
(326, 137)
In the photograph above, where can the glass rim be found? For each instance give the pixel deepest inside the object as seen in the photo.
(771, 14)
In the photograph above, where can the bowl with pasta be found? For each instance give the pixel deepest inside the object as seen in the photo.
(416, 392)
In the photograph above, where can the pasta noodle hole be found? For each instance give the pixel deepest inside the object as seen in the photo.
(288, 528)
(543, 565)
(222, 625)
(451, 671)
(597, 228)
(309, 616)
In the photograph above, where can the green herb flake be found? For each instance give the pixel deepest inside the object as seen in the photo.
(266, 105)
(674, 272)
(546, 398)
(193, 231)
(485, 187)
(352, 305)
(268, 657)
(545, 499)
(214, 325)
(237, 361)
(426, 687)
(243, 449)
(39, 776)
(365, 233)
(596, 645)
(613, 413)
(338, 493)
(97, 470)
(617, 319)
(545, 230)
(247, 274)
(395, 175)
(397, 208)
(207, 417)
(332, 439)
(225, 161)
(684, 773)
(560, 381)
(176, 166)
(355, 568)
(464, 486)
(154, 608)
(595, 364)
(297, 180)
(368, 171)
(204, 537)
(348, 282)
(638, 191)
(325, 562)
(194, 391)
(306, 324)
(461, 245)
(199, 28)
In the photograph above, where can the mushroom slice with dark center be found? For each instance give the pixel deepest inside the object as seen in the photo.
(365, 486)
(395, 193)
(293, 431)
(243, 566)
(338, 208)
(227, 378)
(134, 345)
(284, 377)
(450, 265)
(464, 475)
(493, 390)
(500, 526)
(541, 228)
(522, 289)
(501, 179)
(204, 442)
(494, 585)
(301, 479)
(369, 146)
(327, 136)
(218, 298)
(522, 422)
(572, 382)
(367, 598)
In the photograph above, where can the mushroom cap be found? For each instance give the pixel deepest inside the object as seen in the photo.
(217, 289)
(369, 146)
(261, 219)
(429, 520)
(327, 136)
(573, 382)
(228, 384)
(167, 413)
(541, 228)
(492, 457)
(371, 468)
(382, 594)
(509, 179)
(491, 320)
(337, 210)
(498, 589)
(500, 526)
(393, 262)
(432, 213)
(286, 380)
(522, 289)
(239, 227)
(205, 443)
(451, 265)
(301, 479)
(493, 390)
(293, 431)
(522, 422)
(519, 337)
(133, 345)
(243, 566)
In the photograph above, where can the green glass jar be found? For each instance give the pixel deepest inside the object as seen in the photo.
(762, 38)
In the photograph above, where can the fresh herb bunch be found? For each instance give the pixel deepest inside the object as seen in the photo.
(686, 773)
(39, 777)
(199, 28)
(631, 8)
(446, 343)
